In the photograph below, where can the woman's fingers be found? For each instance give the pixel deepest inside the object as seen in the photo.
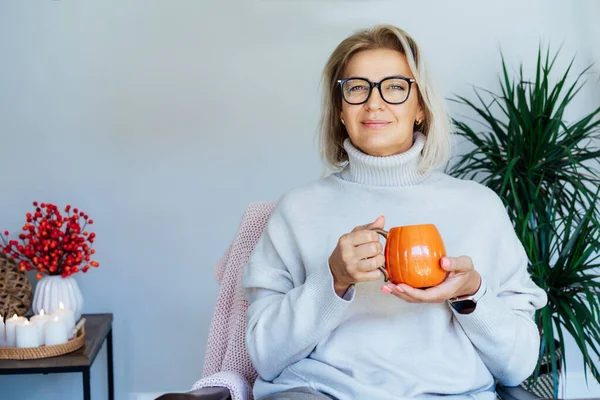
(371, 264)
(368, 250)
(379, 223)
(457, 264)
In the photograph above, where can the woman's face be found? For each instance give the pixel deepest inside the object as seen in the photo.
(376, 127)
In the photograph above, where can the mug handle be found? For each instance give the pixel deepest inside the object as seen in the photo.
(386, 277)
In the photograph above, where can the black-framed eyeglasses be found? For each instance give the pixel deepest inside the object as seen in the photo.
(393, 90)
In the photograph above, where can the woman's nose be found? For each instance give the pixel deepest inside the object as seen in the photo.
(375, 102)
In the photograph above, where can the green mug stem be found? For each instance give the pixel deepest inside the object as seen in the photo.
(386, 277)
(382, 232)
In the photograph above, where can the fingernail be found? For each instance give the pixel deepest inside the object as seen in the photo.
(398, 288)
(386, 289)
(445, 262)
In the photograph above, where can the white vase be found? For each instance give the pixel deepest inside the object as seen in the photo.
(52, 290)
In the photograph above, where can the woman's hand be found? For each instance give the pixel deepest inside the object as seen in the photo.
(357, 256)
(462, 280)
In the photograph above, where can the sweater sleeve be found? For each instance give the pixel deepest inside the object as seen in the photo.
(502, 327)
(286, 318)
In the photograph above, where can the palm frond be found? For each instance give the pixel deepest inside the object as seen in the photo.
(542, 167)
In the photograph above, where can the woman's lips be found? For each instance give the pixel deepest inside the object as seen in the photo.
(375, 124)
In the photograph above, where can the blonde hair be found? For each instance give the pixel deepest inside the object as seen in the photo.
(436, 123)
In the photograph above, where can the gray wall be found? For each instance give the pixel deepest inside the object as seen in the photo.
(164, 119)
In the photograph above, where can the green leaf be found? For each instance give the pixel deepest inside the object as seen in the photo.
(544, 168)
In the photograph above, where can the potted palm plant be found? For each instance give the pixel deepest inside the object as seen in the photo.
(542, 166)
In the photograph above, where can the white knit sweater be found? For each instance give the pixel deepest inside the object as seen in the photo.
(370, 344)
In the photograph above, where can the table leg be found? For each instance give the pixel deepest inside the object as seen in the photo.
(86, 384)
(109, 356)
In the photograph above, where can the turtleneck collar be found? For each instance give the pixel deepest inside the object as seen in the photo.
(397, 170)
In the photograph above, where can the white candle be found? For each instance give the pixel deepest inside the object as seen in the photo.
(40, 321)
(55, 331)
(68, 316)
(11, 334)
(27, 335)
(2, 332)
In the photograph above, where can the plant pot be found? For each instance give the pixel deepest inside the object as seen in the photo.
(52, 290)
(543, 386)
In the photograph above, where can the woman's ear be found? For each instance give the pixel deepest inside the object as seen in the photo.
(420, 116)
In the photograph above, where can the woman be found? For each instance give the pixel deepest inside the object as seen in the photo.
(321, 322)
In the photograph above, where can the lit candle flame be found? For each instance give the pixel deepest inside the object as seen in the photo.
(42, 312)
(61, 305)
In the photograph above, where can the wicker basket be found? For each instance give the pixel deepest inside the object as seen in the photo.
(544, 385)
(31, 353)
(15, 288)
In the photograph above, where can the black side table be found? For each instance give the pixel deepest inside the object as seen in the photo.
(98, 327)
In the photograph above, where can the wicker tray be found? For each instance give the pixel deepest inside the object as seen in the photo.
(31, 353)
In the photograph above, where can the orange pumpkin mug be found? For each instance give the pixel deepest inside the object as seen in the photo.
(412, 255)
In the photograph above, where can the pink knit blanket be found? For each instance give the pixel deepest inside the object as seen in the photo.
(227, 362)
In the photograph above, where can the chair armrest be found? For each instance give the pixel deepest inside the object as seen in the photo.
(514, 393)
(205, 393)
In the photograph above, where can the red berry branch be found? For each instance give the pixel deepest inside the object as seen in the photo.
(53, 244)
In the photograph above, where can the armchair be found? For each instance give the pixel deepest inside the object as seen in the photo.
(228, 373)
